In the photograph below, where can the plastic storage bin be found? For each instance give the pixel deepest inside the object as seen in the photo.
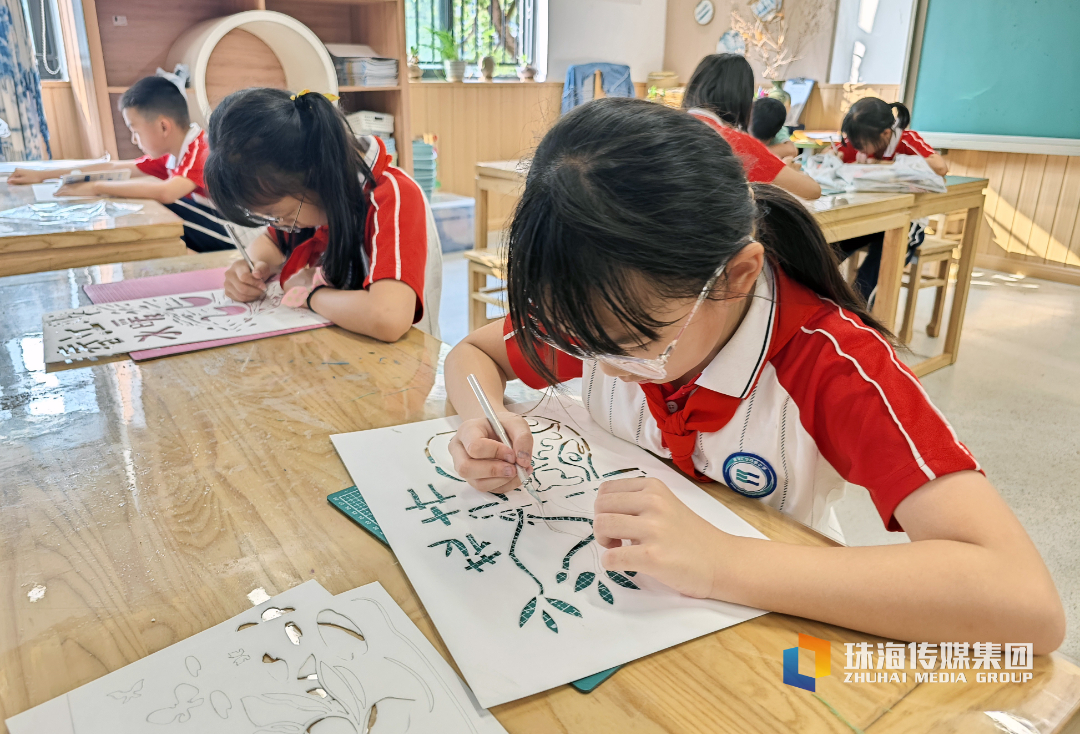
(455, 218)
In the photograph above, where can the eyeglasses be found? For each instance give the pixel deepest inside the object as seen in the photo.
(277, 222)
(653, 368)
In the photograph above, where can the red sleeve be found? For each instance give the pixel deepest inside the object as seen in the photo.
(911, 143)
(153, 166)
(866, 411)
(397, 233)
(192, 164)
(847, 153)
(760, 164)
(566, 366)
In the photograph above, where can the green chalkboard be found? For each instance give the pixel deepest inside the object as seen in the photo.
(1000, 67)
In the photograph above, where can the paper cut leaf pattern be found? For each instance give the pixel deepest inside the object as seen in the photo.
(583, 580)
(621, 580)
(550, 622)
(605, 592)
(563, 606)
(527, 612)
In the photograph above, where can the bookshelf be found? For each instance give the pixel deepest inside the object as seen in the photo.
(130, 39)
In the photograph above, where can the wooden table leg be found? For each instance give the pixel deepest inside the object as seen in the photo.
(963, 282)
(890, 275)
(481, 215)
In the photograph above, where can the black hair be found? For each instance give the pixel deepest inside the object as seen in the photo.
(155, 95)
(724, 85)
(767, 118)
(869, 118)
(624, 194)
(265, 146)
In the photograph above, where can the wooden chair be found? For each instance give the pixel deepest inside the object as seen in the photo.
(934, 249)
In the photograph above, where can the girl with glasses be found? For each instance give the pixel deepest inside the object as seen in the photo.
(708, 322)
(350, 236)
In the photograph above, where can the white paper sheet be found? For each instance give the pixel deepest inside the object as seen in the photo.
(47, 192)
(122, 326)
(301, 662)
(516, 592)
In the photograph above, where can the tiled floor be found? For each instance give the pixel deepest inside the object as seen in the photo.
(1013, 397)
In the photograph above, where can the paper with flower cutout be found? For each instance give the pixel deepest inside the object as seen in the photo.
(105, 329)
(301, 663)
(514, 583)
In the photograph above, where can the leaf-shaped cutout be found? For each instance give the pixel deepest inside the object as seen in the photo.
(560, 577)
(605, 592)
(550, 622)
(294, 633)
(527, 612)
(583, 580)
(339, 690)
(563, 606)
(630, 573)
(621, 580)
(275, 612)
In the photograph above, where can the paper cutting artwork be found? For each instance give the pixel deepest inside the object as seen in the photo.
(310, 664)
(119, 327)
(514, 582)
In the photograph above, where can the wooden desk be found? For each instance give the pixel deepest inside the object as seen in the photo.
(150, 499)
(151, 232)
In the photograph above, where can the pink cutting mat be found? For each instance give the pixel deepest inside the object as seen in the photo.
(170, 285)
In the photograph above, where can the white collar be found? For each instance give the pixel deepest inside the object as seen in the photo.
(192, 133)
(894, 141)
(736, 367)
(702, 112)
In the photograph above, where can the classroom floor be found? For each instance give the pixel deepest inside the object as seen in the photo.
(1013, 398)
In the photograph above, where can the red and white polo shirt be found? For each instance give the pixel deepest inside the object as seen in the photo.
(903, 142)
(189, 164)
(803, 397)
(401, 241)
(760, 163)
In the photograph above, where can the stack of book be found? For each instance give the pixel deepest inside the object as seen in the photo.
(358, 65)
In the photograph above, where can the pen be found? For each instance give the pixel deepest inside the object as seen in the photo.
(236, 241)
(496, 426)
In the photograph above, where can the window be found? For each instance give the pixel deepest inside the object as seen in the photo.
(502, 29)
(44, 23)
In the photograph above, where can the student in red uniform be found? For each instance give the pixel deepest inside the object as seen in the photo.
(709, 323)
(872, 134)
(721, 94)
(156, 113)
(349, 236)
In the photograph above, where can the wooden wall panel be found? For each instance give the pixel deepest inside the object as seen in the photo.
(477, 121)
(1032, 206)
(61, 115)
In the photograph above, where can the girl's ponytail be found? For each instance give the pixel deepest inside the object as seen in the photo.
(266, 144)
(794, 240)
(903, 115)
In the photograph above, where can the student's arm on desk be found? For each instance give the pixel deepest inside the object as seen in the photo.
(938, 164)
(166, 192)
(384, 311)
(23, 176)
(797, 183)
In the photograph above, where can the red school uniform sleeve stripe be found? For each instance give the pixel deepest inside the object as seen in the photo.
(397, 233)
(911, 143)
(192, 164)
(866, 411)
(153, 166)
(566, 366)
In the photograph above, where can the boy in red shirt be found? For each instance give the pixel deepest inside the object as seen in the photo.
(156, 113)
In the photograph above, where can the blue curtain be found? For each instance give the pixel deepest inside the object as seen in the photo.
(20, 90)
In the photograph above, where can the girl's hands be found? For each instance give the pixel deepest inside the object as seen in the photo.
(23, 176)
(245, 285)
(668, 540)
(85, 188)
(484, 461)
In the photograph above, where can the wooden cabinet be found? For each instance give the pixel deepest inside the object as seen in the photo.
(130, 39)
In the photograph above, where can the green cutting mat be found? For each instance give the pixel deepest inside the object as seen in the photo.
(352, 503)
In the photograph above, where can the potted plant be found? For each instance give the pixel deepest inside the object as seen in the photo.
(415, 72)
(447, 48)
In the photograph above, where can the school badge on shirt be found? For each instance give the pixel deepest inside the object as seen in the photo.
(749, 474)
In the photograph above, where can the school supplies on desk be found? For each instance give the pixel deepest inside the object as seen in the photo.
(355, 507)
(532, 567)
(169, 285)
(301, 661)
